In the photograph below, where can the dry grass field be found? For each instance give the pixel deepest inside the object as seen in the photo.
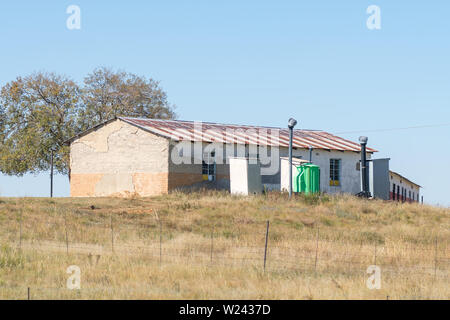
(210, 245)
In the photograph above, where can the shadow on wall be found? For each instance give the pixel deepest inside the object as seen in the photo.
(220, 184)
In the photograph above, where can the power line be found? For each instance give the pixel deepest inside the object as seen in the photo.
(395, 129)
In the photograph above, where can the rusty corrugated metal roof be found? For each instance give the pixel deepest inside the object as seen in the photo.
(179, 130)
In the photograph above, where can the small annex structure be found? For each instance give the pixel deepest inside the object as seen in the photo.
(403, 189)
(134, 156)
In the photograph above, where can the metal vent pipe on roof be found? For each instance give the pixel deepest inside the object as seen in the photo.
(365, 184)
(291, 124)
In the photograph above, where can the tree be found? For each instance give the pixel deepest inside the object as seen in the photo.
(108, 94)
(2, 124)
(2, 130)
(39, 114)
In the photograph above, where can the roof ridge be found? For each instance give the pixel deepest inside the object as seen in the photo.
(318, 139)
(219, 124)
(303, 138)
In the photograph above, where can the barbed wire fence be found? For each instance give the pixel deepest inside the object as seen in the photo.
(312, 256)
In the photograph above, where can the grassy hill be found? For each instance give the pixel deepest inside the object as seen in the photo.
(211, 245)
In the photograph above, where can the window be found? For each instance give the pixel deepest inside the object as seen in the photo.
(335, 170)
(209, 167)
(398, 193)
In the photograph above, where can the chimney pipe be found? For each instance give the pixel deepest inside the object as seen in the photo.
(291, 124)
(365, 185)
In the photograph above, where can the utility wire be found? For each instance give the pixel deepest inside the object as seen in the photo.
(395, 129)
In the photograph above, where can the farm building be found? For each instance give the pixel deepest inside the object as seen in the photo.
(125, 156)
(403, 189)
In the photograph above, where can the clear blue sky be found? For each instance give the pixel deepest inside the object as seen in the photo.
(260, 62)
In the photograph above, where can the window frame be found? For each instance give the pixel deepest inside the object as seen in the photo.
(209, 169)
(335, 172)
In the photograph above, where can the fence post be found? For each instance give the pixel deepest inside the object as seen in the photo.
(160, 242)
(28, 293)
(112, 232)
(317, 249)
(375, 255)
(67, 233)
(20, 229)
(212, 242)
(265, 249)
(435, 257)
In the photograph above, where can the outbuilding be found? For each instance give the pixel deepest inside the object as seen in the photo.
(146, 157)
(403, 189)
